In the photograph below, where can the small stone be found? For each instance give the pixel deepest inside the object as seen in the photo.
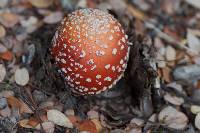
(137, 121)
(136, 130)
(58, 118)
(21, 76)
(3, 103)
(3, 49)
(197, 121)
(3, 3)
(6, 94)
(41, 3)
(6, 112)
(53, 18)
(173, 99)
(187, 73)
(2, 72)
(170, 53)
(173, 118)
(69, 112)
(9, 19)
(32, 20)
(195, 109)
(48, 127)
(39, 96)
(93, 114)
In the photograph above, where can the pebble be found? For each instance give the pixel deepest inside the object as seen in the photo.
(173, 118)
(39, 96)
(53, 18)
(196, 94)
(6, 93)
(93, 114)
(137, 121)
(2, 31)
(3, 103)
(2, 72)
(3, 3)
(197, 121)
(187, 73)
(2, 48)
(6, 112)
(69, 112)
(173, 99)
(170, 53)
(195, 109)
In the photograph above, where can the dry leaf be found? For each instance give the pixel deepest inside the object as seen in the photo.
(6, 55)
(33, 122)
(21, 76)
(24, 123)
(41, 3)
(58, 118)
(53, 18)
(2, 31)
(2, 72)
(166, 74)
(9, 19)
(24, 108)
(97, 124)
(87, 125)
(74, 119)
(14, 102)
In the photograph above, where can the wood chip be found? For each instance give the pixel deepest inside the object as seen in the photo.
(170, 53)
(21, 76)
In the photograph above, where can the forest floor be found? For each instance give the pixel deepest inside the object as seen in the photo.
(160, 92)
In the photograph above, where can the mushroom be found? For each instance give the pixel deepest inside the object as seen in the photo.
(90, 48)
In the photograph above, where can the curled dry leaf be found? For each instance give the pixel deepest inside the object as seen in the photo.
(9, 19)
(2, 31)
(88, 126)
(58, 118)
(53, 18)
(41, 3)
(21, 76)
(2, 72)
(48, 127)
(173, 118)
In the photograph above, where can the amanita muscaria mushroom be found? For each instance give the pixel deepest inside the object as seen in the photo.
(91, 50)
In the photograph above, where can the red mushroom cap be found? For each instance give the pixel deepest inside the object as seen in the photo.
(90, 48)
